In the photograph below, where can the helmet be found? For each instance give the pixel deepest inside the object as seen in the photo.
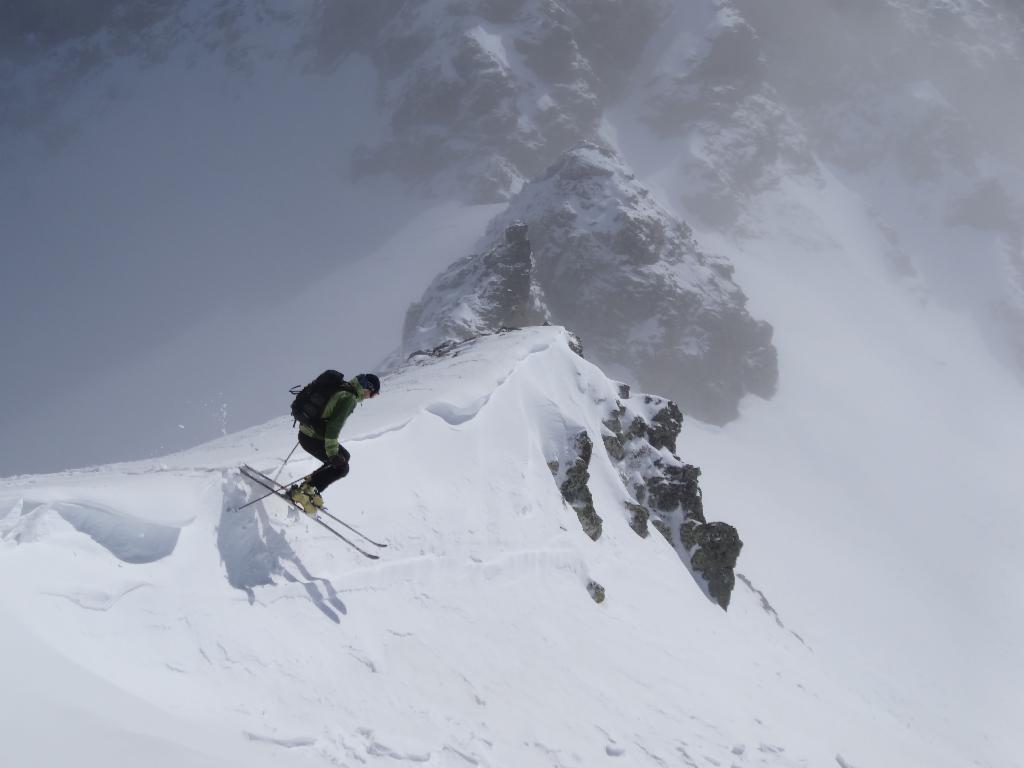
(369, 381)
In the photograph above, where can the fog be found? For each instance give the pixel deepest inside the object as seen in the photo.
(184, 237)
(152, 221)
(912, 107)
(936, 107)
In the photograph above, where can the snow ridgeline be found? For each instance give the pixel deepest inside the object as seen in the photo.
(149, 618)
(151, 558)
(639, 434)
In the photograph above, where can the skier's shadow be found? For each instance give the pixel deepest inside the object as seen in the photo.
(253, 552)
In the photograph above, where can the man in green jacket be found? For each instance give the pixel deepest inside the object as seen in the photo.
(321, 441)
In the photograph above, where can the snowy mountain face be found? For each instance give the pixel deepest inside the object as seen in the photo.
(611, 263)
(727, 104)
(902, 102)
(477, 294)
(729, 114)
(479, 96)
(165, 622)
(738, 140)
(204, 203)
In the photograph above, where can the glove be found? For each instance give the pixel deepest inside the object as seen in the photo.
(337, 460)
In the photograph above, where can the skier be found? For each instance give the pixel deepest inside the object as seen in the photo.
(321, 441)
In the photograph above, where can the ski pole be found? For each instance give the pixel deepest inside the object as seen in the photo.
(278, 473)
(277, 490)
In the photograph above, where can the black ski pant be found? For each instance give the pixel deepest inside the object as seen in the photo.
(328, 473)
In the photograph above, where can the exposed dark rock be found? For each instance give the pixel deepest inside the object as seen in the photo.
(665, 491)
(575, 342)
(604, 258)
(665, 426)
(668, 494)
(664, 529)
(638, 519)
(613, 422)
(637, 428)
(448, 348)
(613, 444)
(575, 490)
(614, 265)
(714, 548)
(677, 487)
(487, 292)
(596, 592)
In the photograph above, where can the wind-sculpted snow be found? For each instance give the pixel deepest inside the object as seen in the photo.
(128, 539)
(129, 530)
(456, 415)
(493, 630)
(606, 260)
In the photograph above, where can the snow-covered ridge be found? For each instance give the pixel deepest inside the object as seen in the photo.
(159, 610)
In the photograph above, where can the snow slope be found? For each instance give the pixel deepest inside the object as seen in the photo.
(887, 466)
(143, 609)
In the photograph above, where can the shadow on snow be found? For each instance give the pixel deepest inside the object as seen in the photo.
(254, 552)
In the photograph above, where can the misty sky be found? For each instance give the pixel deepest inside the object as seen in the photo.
(179, 227)
(142, 247)
(182, 239)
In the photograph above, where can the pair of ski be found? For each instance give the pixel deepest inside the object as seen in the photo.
(260, 479)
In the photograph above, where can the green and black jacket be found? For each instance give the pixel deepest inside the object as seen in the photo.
(334, 416)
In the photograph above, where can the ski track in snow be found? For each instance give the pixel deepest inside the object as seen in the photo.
(97, 601)
(418, 570)
(370, 436)
(292, 743)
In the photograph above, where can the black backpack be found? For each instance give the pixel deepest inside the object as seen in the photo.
(310, 400)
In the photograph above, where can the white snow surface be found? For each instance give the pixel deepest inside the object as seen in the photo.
(878, 494)
(146, 618)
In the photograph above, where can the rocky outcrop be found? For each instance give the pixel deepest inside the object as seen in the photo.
(737, 138)
(640, 437)
(606, 260)
(639, 434)
(572, 475)
(478, 294)
(479, 95)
